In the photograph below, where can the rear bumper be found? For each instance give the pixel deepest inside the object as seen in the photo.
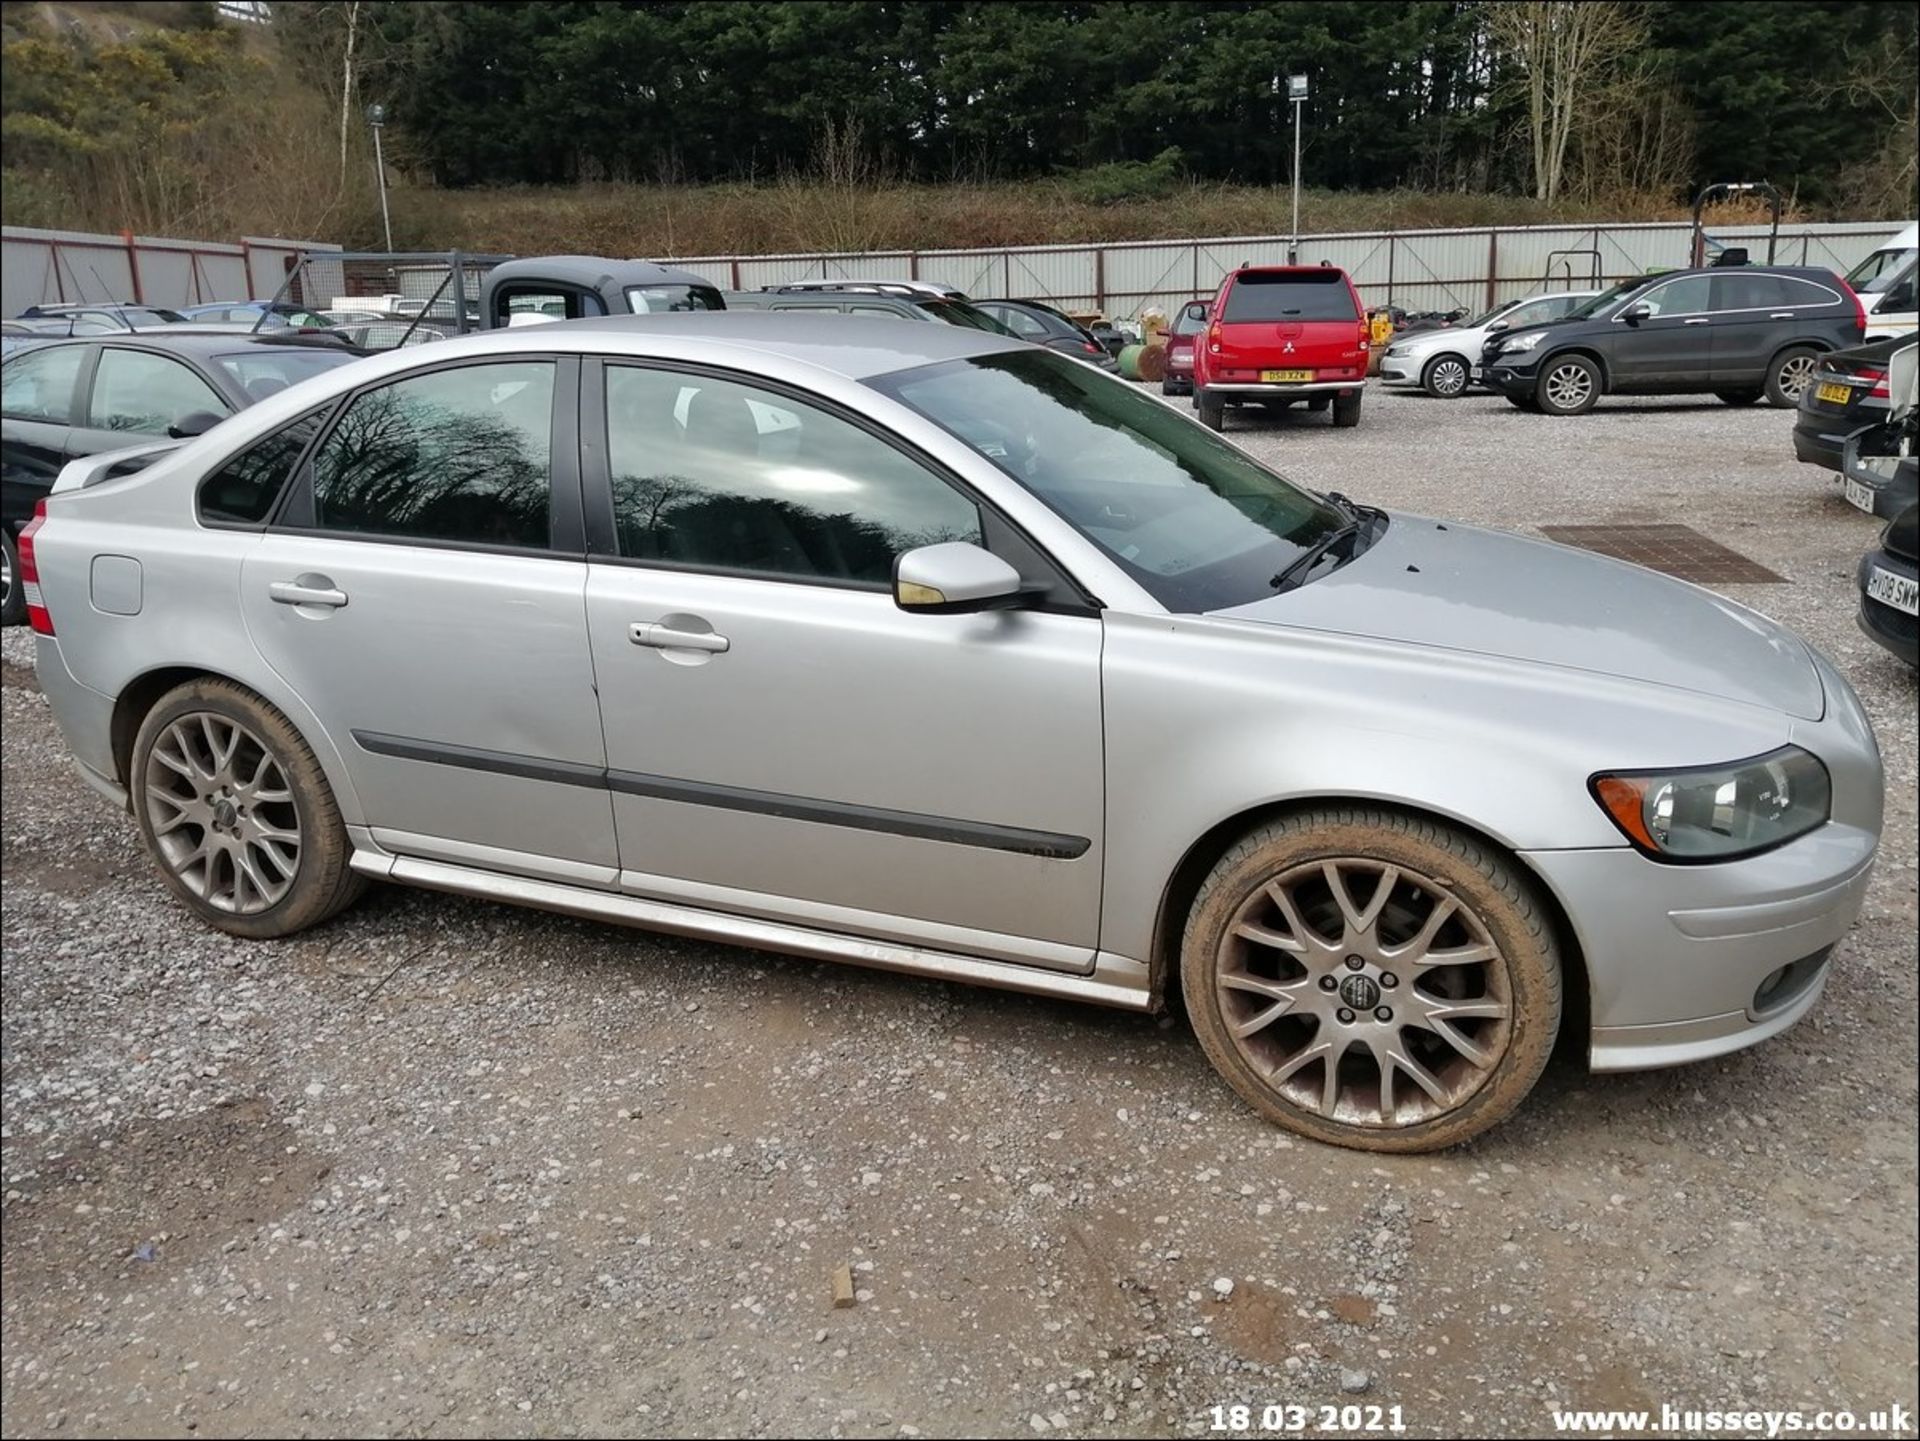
(84, 715)
(1815, 446)
(1690, 962)
(1257, 390)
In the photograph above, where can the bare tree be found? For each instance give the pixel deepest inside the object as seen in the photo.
(1564, 52)
(346, 79)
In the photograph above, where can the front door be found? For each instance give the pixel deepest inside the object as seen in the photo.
(424, 592)
(1671, 347)
(783, 740)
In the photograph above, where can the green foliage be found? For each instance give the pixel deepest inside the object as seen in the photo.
(1120, 180)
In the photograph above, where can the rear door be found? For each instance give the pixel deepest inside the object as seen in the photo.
(39, 396)
(1673, 346)
(136, 395)
(423, 590)
(1757, 314)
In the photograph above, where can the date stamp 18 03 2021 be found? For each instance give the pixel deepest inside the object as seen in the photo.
(1281, 1420)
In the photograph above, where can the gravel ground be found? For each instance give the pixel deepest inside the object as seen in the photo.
(446, 1167)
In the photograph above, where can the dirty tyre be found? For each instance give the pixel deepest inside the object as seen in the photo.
(1790, 375)
(1446, 377)
(237, 813)
(1213, 414)
(1438, 1033)
(13, 595)
(1346, 411)
(1736, 397)
(1569, 385)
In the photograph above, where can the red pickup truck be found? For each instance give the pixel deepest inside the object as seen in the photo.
(1280, 335)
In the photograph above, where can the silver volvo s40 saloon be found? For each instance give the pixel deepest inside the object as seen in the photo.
(922, 648)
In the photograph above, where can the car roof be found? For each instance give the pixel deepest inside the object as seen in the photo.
(590, 272)
(196, 341)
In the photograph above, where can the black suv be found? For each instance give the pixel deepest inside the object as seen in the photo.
(1738, 332)
(879, 297)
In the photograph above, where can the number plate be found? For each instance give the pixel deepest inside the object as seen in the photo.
(1282, 377)
(1859, 495)
(1837, 394)
(1899, 591)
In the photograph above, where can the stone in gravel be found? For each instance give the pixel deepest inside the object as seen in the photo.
(842, 1286)
(1354, 1382)
(1223, 1287)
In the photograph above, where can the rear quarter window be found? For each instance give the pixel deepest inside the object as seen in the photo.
(1296, 295)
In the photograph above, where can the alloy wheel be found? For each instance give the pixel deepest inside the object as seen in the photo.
(1796, 373)
(222, 813)
(6, 575)
(1448, 377)
(1569, 386)
(1365, 993)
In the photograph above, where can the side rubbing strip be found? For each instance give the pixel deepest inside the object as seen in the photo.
(506, 763)
(1049, 844)
(865, 818)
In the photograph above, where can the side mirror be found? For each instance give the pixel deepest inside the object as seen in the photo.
(1634, 314)
(1498, 326)
(955, 578)
(1197, 311)
(194, 422)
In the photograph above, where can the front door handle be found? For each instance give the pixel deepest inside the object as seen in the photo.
(1696, 320)
(307, 590)
(662, 637)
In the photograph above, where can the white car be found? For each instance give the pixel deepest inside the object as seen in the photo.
(1884, 282)
(1441, 362)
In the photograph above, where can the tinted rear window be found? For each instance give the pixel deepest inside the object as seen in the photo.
(1299, 295)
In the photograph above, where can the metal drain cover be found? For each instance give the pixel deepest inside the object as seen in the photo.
(1676, 550)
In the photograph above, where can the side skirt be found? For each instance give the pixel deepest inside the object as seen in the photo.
(1116, 980)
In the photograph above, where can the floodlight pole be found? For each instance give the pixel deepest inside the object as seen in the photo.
(1297, 92)
(377, 117)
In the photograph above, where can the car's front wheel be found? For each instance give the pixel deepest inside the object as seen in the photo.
(236, 810)
(1372, 979)
(13, 595)
(1736, 397)
(1445, 377)
(1569, 385)
(1790, 375)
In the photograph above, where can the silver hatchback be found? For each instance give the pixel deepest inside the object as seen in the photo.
(922, 648)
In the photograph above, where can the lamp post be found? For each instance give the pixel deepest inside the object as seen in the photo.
(377, 117)
(1297, 93)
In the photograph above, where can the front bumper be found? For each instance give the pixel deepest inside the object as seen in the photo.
(1893, 630)
(1690, 962)
(1507, 378)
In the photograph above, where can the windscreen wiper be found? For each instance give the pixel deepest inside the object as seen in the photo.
(1296, 571)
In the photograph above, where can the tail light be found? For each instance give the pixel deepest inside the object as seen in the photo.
(1213, 338)
(1859, 308)
(37, 616)
(1091, 348)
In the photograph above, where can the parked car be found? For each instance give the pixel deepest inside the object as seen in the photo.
(1041, 323)
(1280, 335)
(584, 286)
(1183, 333)
(1885, 284)
(68, 398)
(901, 287)
(50, 318)
(870, 301)
(258, 314)
(964, 668)
(1848, 390)
(1739, 332)
(1889, 579)
(1440, 361)
(1113, 335)
(1879, 464)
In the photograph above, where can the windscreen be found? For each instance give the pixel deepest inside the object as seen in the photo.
(1880, 271)
(267, 369)
(654, 299)
(1257, 295)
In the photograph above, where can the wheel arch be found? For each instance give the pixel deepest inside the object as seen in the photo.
(1585, 352)
(1181, 887)
(1444, 354)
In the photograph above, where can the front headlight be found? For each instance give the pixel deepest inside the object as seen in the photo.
(1522, 342)
(1720, 812)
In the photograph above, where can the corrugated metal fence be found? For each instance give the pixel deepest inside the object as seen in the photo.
(45, 267)
(1415, 269)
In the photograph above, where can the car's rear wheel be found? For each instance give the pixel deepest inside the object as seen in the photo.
(1173, 387)
(1372, 979)
(1445, 377)
(1569, 385)
(13, 595)
(1346, 411)
(1790, 375)
(237, 811)
(1736, 397)
(1213, 412)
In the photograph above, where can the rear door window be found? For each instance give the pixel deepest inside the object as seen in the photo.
(1294, 295)
(138, 391)
(38, 385)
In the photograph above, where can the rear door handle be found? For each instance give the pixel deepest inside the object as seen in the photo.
(662, 637)
(1781, 315)
(307, 590)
